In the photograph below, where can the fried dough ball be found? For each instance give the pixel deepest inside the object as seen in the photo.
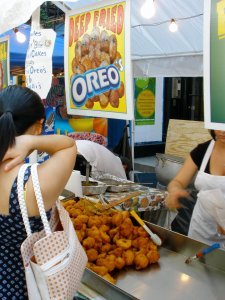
(68, 202)
(94, 221)
(105, 58)
(104, 41)
(143, 242)
(86, 62)
(85, 44)
(95, 63)
(94, 37)
(119, 263)
(89, 104)
(152, 246)
(106, 219)
(153, 256)
(121, 89)
(135, 243)
(104, 227)
(83, 218)
(125, 214)
(88, 243)
(114, 98)
(117, 219)
(78, 54)
(105, 237)
(106, 248)
(75, 212)
(100, 270)
(94, 232)
(126, 227)
(102, 255)
(117, 251)
(113, 232)
(123, 243)
(108, 262)
(135, 232)
(109, 278)
(98, 246)
(116, 237)
(112, 47)
(78, 68)
(78, 225)
(142, 232)
(80, 234)
(103, 100)
(128, 256)
(141, 261)
(92, 254)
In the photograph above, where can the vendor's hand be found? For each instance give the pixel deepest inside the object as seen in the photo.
(16, 154)
(172, 198)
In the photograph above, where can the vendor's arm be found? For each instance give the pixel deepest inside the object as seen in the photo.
(177, 187)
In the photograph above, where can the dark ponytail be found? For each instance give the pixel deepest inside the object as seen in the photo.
(20, 108)
(7, 133)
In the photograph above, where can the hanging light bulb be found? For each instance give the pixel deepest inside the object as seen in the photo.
(21, 38)
(173, 26)
(148, 9)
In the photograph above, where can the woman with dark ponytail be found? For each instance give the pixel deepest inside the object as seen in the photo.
(22, 118)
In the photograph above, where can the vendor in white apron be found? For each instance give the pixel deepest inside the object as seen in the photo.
(208, 219)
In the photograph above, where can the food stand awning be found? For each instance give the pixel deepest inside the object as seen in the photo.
(155, 50)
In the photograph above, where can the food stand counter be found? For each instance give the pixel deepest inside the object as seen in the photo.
(171, 278)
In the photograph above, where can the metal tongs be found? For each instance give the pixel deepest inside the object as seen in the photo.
(156, 239)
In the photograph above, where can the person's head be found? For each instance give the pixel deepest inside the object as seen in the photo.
(21, 112)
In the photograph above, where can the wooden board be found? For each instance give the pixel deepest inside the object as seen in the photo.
(184, 135)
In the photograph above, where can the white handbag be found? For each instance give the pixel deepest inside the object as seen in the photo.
(54, 262)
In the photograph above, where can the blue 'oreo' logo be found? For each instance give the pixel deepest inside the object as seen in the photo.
(94, 82)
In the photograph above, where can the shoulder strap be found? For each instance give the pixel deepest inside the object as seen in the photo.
(207, 155)
(39, 198)
(21, 199)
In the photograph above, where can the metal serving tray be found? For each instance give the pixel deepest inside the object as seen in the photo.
(171, 278)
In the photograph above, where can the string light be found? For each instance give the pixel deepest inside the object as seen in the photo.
(166, 21)
(148, 9)
(21, 38)
(173, 26)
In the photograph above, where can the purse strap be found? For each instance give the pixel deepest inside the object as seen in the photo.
(38, 195)
(22, 203)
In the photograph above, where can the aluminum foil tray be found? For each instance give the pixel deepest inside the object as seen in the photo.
(116, 184)
(93, 189)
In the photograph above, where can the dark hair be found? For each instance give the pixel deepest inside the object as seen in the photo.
(212, 133)
(20, 108)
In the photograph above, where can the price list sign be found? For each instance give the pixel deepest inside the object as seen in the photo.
(38, 65)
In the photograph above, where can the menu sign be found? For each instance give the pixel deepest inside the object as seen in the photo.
(38, 65)
(97, 60)
(4, 62)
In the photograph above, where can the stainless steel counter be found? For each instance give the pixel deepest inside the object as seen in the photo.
(171, 278)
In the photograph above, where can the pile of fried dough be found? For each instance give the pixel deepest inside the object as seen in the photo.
(111, 241)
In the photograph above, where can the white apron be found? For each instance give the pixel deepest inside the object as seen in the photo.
(209, 211)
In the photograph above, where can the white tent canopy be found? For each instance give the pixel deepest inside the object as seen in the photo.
(155, 50)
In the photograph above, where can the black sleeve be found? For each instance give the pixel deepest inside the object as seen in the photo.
(198, 153)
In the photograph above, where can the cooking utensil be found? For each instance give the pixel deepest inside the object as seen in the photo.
(202, 252)
(87, 172)
(156, 239)
(119, 201)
